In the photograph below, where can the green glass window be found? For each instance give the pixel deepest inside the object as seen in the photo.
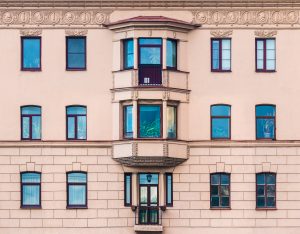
(150, 121)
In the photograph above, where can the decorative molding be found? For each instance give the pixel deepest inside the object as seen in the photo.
(264, 33)
(76, 32)
(31, 32)
(221, 33)
(246, 17)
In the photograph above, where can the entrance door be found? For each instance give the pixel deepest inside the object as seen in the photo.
(148, 199)
(150, 61)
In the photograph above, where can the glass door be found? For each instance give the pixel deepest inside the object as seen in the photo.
(150, 61)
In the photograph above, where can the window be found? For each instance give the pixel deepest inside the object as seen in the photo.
(128, 51)
(172, 122)
(31, 53)
(128, 127)
(171, 54)
(266, 190)
(265, 55)
(30, 189)
(220, 190)
(220, 121)
(127, 189)
(169, 189)
(221, 55)
(150, 121)
(265, 122)
(76, 123)
(31, 123)
(76, 53)
(76, 189)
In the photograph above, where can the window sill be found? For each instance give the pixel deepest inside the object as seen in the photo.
(76, 207)
(31, 70)
(220, 208)
(221, 71)
(265, 71)
(76, 69)
(265, 208)
(31, 207)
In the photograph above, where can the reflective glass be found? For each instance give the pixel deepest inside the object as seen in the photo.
(76, 110)
(271, 202)
(270, 44)
(260, 202)
(153, 216)
(143, 195)
(31, 53)
(148, 178)
(226, 64)
(260, 54)
(31, 110)
(259, 45)
(224, 190)
(270, 178)
(77, 195)
(128, 53)
(260, 190)
(71, 127)
(220, 128)
(265, 128)
(265, 110)
(128, 122)
(30, 177)
(76, 61)
(171, 53)
(150, 122)
(81, 127)
(224, 179)
(36, 127)
(153, 192)
(77, 177)
(220, 110)
(76, 52)
(225, 201)
(271, 190)
(215, 179)
(128, 189)
(76, 45)
(171, 121)
(31, 195)
(150, 41)
(215, 201)
(150, 55)
(25, 127)
(270, 64)
(260, 178)
(169, 189)
(215, 190)
(260, 64)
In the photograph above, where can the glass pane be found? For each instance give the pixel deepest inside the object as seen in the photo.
(265, 128)
(148, 178)
(226, 64)
(169, 189)
(220, 128)
(260, 202)
(171, 53)
(270, 201)
(260, 190)
(31, 110)
(260, 54)
(143, 216)
(143, 195)
(171, 115)
(270, 64)
(215, 179)
(225, 201)
(216, 45)
(150, 41)
(216, 64)
(224, 190)
(224, 179)
(128, 121)
(226, 44)
(270, 44)
(226, 54)
(77, 177)
(153, 197)
(77, 194)
(265, 110)
(31, 53)
(215, 201)
(220, 110)
(150, 55)
(270, 54)
(128, 52)
(259, 44)
(26, 127)
(128, 189)
(71, 127)
(270, 178)
(31, 195)
(153, 216)
(76, 45)
(260, 178)
(76, 60)
(215, 190)
(36, 127)
(150, 126)
(30, 177)
(76, 110)
(260, 64)
(270, 190)
(81, 127)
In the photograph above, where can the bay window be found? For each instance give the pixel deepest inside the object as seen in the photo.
(149, 124)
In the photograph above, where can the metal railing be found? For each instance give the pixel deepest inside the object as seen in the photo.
(148, 215)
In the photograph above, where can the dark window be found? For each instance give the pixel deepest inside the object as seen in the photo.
(172, 122)
(127, 189)
(76, 189)
(128, 118)
(219, 190)
(171, 54)
(265, 54)
(31, 123)
(221, 55)
(30, 189)
(266, 190)
(128, 48)
(265, 121)
(76, 123)
(150, 125)
(169, 189)
(76, 53)
(31, 53)
(220, 121)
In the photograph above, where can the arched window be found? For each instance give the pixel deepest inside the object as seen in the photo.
(30, 189)
(265, 121)
(219, 190)
(76, 123)
(31, 123)
(265, 190)
(220, 121)
(76, 189)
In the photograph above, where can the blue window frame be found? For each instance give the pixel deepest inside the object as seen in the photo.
(265, 55)
(31, 53)
(220, 122)
(221, 54)
(220, 190)
(127, 189)
(265, 190)
(76, 189)
(171, 54)
(30, 123)
(76, 53)
(128, 50)
(169, 189)
(172, 122)
(76, 123)
(30, 189)
(265, 122)
(128, 122)
(149, 121)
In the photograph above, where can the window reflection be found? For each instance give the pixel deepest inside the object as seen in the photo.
(149, 121)
(265, 121)
(220, 121)
(31, 53)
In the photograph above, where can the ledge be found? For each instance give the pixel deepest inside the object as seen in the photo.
(148, 228)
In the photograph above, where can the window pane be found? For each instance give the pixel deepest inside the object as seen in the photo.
(214, 201)
(270, 44)
(226, 54)
(270, 190)
(270, 179)
(260, 202)
(169, 189)
(81, 127)
(265, 110)
(260, 64)
(30, 177)
(77, 177)
(260, 178)
(215, 54)
(31, 195)
(226, 64)
(31, 110)
(128, 122)
(76, 110)
(270, 54)
(128, 53)
(259, 44)
(127, 189)
(77, 194)
(26, 127)
(260, 190)
(143, 195)
(224, 190)
(265, 128)
(148, 178)
(220, 110)
(270, 201)
(225, 201)
(171, 53)
(76, 45)
(150, 121)
(220, 128)
(31, 53)
(76, 60)
(153, 191)
(150, 55)
(226, 44)
(215, 190)
(260, 54)
(224, 179)
(36, 127)
(71, 127)
(270, 64)
(216, 64)
(171, 115)
(150, 41)
(215, 179)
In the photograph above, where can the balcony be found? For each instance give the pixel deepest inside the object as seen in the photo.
(148, 219)
(150, 153)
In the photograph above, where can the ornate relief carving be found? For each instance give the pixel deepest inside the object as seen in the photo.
(31, 32)
(76, 32)
(221, 33)
(246, 17)
(54, 17)
(264, 33)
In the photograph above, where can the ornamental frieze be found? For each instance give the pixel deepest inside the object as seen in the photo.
(53, 17)
(246, 17)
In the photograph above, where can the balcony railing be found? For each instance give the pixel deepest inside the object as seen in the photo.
(148, 215)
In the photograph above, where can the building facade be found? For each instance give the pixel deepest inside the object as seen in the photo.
(149, 117)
